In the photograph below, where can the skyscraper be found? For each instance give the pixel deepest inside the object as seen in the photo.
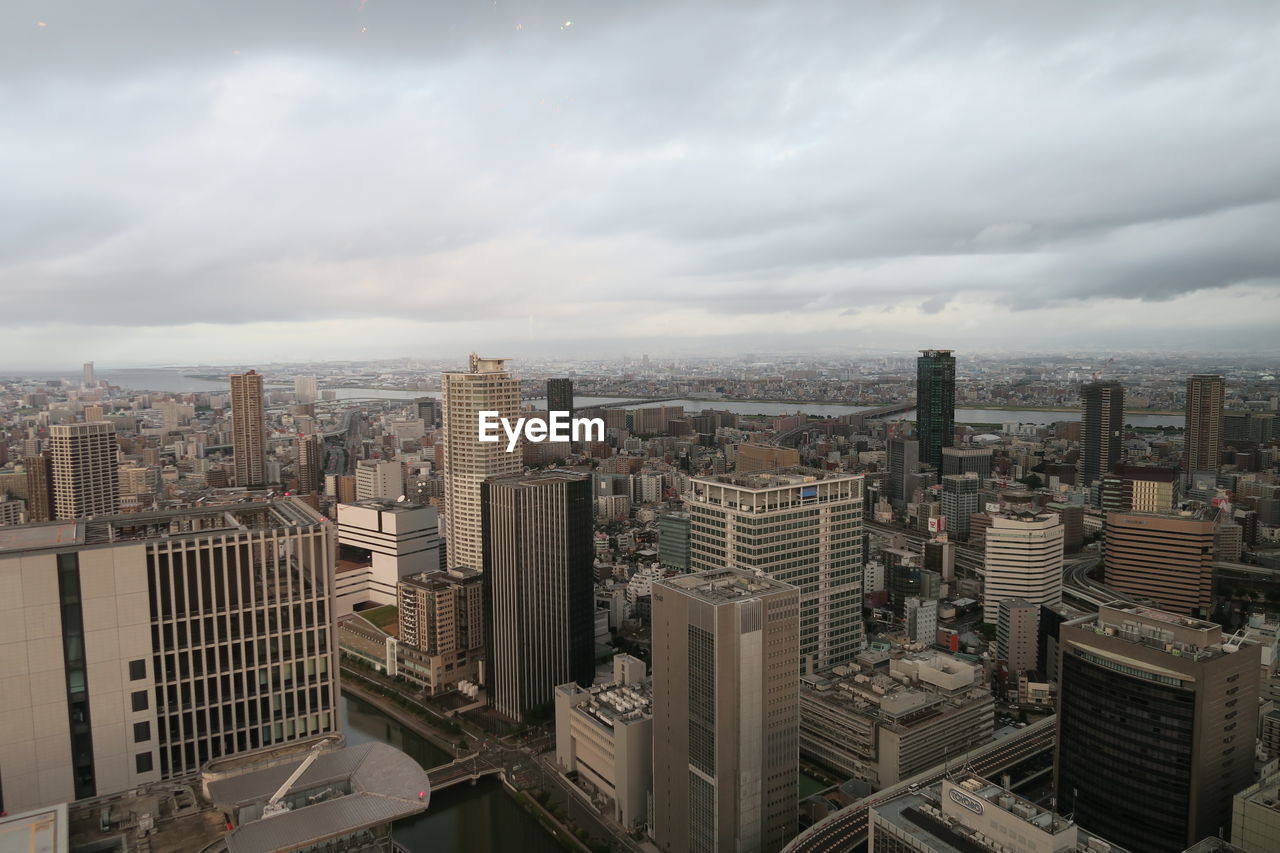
(800, 526)
(87, 379)
(379, 478)
(935, 404)
(39, 475)
(903, 462)
(486, 386)
(966, 460)
(85, 482)
(162, 640)
(1101, 431)
(305, 389)
(1167, 557)
(726, 712)
(1156, 726)
(309, 450)
(1024, 560)
(959, 501)
(248, 435)
(539, 587)
(560, 395)
(442, 622)
(1203, 441)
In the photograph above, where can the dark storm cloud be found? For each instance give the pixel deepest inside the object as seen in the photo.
(443, 161)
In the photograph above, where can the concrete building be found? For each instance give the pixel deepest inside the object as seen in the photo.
(726, 712)
(486, 386)
(87, 380)
(1255, 816)
(935, 404)
(39, 480)
(1167, 557)
(764, 457)
(902, 459)
(310, 454)
(1203, 437)
(605, 734)
(1072, 516)
(1023, 560)
(1156, 725)
(673, 540)
(967, 460)
(1101, 430)
(248, 430)
(560, 395)
(380, 542)
(881, 727)
(1017, 634)
(83, 462)
(154, 642)
(381, 479)
(922, 621)
(539, 583)
(441, 619)
(305, 389)
(799, 526)
(959, 502)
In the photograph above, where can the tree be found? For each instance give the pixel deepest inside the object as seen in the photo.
(1032, 481)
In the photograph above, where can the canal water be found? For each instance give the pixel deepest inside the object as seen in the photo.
(482, 818)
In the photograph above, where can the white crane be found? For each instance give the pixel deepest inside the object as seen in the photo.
(274, 806)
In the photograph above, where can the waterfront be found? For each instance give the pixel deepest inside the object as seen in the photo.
(481, 817)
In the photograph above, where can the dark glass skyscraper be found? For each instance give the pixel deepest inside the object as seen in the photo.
(935, 404)
(1101, 430)
(560, 395)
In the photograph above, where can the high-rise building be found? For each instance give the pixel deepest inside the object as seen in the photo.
(967, 460)
(1017, 634)
(903, 463)
(799, 526)
(379, 478)
(428, 411)
(539, 587)
(1156, 726)
(726, 713)
(39, 476)
(1101, 431)
(83, 461)
(486, 386)
(1167, 557)
(673, 540)
(442, 623)
(1140, 488)
(87, 379)
(922, 620)
(560, 395)
(935, 404)
(309, 450)
(959, 502)
(1023, 559)
(248, 430)
(305, 389)
(1203, 436)
(155, 642)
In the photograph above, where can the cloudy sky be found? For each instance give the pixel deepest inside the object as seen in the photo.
(190, 181)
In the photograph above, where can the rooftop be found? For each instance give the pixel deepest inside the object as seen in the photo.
(718, 586)
(778, 478)
(38, 831)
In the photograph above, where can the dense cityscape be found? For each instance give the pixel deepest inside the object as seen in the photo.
(926, 603)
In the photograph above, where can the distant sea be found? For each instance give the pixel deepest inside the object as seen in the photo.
(134, 379)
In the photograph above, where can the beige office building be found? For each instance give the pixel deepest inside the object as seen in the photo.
(1166, 557)
(1203, 436)
(486, 386)
(85, 482)
(726, 712)
(137, 647)
(441, 628)
(1023, 559)
(248, 430)
(800, 526)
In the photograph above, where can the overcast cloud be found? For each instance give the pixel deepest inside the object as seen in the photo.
(197, 181)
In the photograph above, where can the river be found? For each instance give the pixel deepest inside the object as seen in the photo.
(482, 818)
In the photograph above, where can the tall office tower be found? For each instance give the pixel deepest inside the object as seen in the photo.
(379, 478)
(959, 501)
(87, 379)
(673, 540)
(799, 526)
(1101, 430)
(1168, 558)
(1156, 726)
(39, 474)
(305, 389)
(155, 642)
(1017, 635)
(442, 622)
(1024, 560)
(539, 587)
(428, 411)
(1140, 488)
(1203, 440)
(726, 712)
(966, 460)
(309, 450)
(903, 462)
(486, 386)
(560, 395)
(84, 470)
(935, 404)
(248, 431)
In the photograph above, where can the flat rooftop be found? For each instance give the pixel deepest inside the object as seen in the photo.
(776, 478)
(38, 831)
(718, 586)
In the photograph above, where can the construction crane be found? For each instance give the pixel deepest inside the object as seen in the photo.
(274, 806)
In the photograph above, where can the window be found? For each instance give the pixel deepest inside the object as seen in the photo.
(141, 732)
(139, 698)
(137, 670)
(142, 761)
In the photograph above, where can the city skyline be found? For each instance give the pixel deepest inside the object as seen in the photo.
(726, 178)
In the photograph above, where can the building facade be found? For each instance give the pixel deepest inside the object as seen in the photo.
(1203, 437)
(441, 616)
(1166, 557)
(1024, 560)
(248, 430)
(1101, 430)
(83, 462)
(560, 395)
(935, 404)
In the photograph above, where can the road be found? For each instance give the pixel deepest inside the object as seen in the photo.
(847, 828)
